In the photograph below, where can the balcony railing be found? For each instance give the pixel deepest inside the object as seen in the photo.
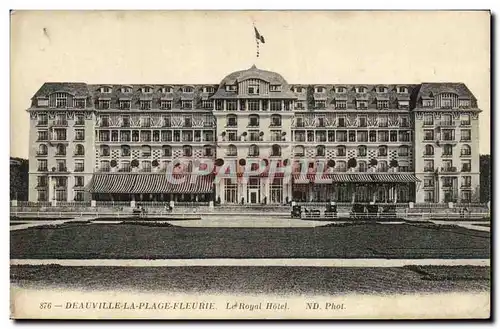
(449, 169)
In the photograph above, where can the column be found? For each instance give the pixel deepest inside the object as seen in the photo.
(224, 104)
(282, 104)
(219, 191)
(395, 193)
(260, 104)
(441, 191)
(267, 189)
(352, 188)
(243, 191)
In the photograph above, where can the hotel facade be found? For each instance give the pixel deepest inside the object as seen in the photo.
(383, 143)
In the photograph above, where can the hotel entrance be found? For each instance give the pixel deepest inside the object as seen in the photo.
(254, 195)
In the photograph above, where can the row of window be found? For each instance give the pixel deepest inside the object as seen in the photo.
(79, 165)
(155, 136)
(447, 181)
(357, 89)
(362, 121)
(447, 135)
(61, 150)
(449, 196)
(465, 150)
(149, 89)
(59, 134)
(447, 120)
(187, 151)
(447, 166)
(60, 181)
(353, 136)
(147, 121)
(60, 120)
(106, 104)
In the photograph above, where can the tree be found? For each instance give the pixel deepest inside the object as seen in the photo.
(19, 179)
(485, 177)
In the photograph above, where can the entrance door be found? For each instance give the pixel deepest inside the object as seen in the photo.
(253, 197)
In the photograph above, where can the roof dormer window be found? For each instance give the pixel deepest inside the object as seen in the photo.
(402, 90)
(208, 89)
(105, 90)
(147, 90)
(381, 89)
(275, 88)
(319, 89)
(166, 90)
(187, 89)
(340, 90)
(361, 90)
(126, 90)
(230, 87)
(299, 89)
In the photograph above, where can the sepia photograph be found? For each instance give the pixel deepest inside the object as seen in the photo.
(250, 164)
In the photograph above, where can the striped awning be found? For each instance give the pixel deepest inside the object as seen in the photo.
(354, 178)
(149, 183)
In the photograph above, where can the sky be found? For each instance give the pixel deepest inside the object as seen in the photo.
(203, 47)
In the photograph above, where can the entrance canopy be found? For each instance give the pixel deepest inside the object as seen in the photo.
(150, 183)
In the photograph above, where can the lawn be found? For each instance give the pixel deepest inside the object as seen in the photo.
(257, 280)
(121, 241)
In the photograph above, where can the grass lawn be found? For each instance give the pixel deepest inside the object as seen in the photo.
(119, 241)
(257, 280)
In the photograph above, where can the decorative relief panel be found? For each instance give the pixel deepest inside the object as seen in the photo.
(393, 120)
(372, 120)
(420, 115)
(135, 120)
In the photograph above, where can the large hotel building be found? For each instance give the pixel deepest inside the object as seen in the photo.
(383, 143)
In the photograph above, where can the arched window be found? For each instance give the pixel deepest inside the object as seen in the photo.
(320, 150)
(253, 120)
(276, 150)
(341, 151)
(146, 151)
(187, 150)
(42, 149)
(104, 150)
(429, 150)
(61, 149)
(341, 166)
(125, 150)
(275, 120)
(465, 150)
(362, 151)
(79, 149)
(167, 151)
(253, 150)
(231, 120)
(382, 151)
(403, 151)
(232, 151)
(299, 151)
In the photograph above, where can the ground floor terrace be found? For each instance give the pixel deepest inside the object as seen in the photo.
(259, 189)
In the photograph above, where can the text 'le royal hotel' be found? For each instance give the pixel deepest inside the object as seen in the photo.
(382, 143)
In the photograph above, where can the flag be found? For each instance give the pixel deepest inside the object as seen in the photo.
(259, 36)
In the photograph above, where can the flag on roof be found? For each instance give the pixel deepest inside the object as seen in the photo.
(259, 36)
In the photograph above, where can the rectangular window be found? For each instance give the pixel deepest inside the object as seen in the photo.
(145, 136)
(429, 196)
(187, 104)
(232, 135)
(428, 181)
(403, 104)
(331, 135)
(43, 135)
(124, 105)
(466, 181)
(383, 136)
(383, 121)
(187, 136)
(254, 135)
(253, 105)
(145, 122)
(145, 105)
(60, 134)
(361, 104)
(188, 121)
(466, 165)
(275, 135)
(166, 136)
(79, 166)
(146, 166)
(465, 135)
(79, 134)
(253, 90)
(362, 136)
(341, 105)
(104, 104)
(80, 103)
(320, 122)
(320, 104)
(448, 134)
(428, 165)
(393, 135)
(405, 122)
(404, 136)
(465, 120)
(231, 105)
(42, 119)
(342, 136)
(382, 104)
(61, 165)
(42, 181)
(166, 105)
(362, 122)
(61, 119)
(125, 166)
(61, 100)
(341, 122)
(42, 165)
(428, 120)
(207, 105)
(274, 88)
(299, 122)
(79, 120)
(428, 135)
(275, 105)
(428, 103)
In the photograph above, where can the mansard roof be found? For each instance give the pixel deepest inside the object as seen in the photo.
(431, 89)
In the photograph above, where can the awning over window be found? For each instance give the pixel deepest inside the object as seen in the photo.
(150, 183)
(355, 178)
